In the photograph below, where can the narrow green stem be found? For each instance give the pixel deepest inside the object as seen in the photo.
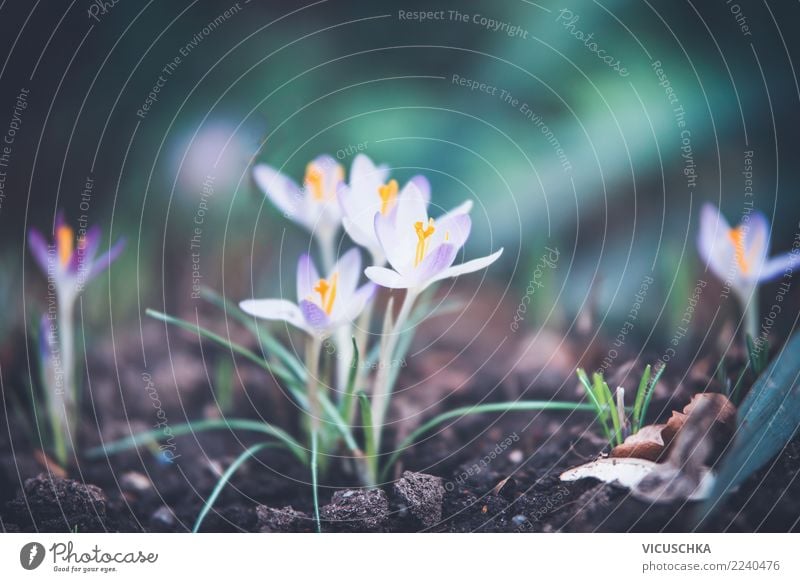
(63, 398)
(383, 381)
(313, 348)
(315, 478)
(750, 306)
(223, 481)
(326, 249)
(362, 335)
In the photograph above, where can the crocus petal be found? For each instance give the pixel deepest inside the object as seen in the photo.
(386, 278)
(359, 236)
(713, 243)
(275, 310)
(307, 277)
(399, 242)
(412, 204)
(778, 266)
(349, 269)
(422, 186)
(38, 247)
(86, 250)
(359, 300)
(468, 267)
(104, 261)
(365, 174)
(281, 190)
(453, 228)
(756, 242)
(437, 260)
(315, 318)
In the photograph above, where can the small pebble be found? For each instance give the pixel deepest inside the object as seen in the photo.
(516, 456)
(163, 516)
(135, 481)
(519, 520)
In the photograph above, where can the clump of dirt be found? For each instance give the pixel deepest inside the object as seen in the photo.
(363, 510)
(59, 505)
(423, 495)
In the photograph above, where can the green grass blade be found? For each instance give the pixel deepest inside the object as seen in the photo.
(151, 436)
(651, 389)
(315, 478)
(223, 383)
(338, 421)
(274, 368)
(369, 436)
(266, 339)
(644, 384)
(603, 395)
(521, 406)
(346, 404)
(598, 407)
(226, 476)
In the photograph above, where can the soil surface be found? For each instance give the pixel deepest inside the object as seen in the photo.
(488, 473)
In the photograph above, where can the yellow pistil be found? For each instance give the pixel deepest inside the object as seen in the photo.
(313, 182)
(327, 292)
(423, 234)
(388, 194)
(66, 240)
(737, 238)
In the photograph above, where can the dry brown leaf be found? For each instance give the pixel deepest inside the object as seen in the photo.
(49, 464)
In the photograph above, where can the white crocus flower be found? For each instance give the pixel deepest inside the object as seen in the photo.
(421, 250)
(323, 304)
(368, 193)
(314, 205)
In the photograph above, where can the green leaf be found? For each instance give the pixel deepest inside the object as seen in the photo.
(151, 436)
(272, 345)
(596, 404)
(520, 406)
(315, 478)
(369, 436)
(644, 384)
(347, 397)
(274, 368)
(767, 419)
(226, 476)
(651, 389)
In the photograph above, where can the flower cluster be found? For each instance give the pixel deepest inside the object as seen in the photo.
(391, 223)
(408, 248)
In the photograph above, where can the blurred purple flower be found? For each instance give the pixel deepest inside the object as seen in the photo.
(69, 264)
(739, 256)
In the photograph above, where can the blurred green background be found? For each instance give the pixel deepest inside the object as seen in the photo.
(281, 82)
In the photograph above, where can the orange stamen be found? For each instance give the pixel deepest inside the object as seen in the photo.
(423, 234)
(313, 182)
(65, 240)
(327, 292)
(388, 194)
(736, 236)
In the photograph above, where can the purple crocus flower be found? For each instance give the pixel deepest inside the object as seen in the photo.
(69, 262)
(68, 265)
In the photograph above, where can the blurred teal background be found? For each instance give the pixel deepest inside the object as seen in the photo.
(280, 82)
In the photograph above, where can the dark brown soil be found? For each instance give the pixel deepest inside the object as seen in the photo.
(488, 473)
